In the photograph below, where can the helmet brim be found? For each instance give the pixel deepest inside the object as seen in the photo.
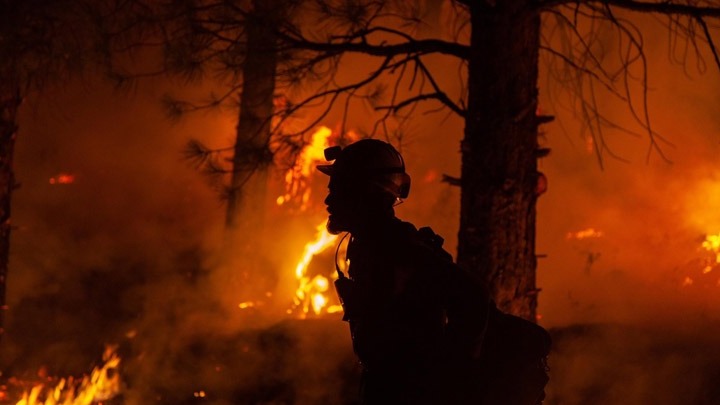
(326, 169)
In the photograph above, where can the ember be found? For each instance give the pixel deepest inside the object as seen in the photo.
(248, 304)
(584, 234)
(62, 178)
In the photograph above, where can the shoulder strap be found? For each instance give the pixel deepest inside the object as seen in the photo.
(434, 241)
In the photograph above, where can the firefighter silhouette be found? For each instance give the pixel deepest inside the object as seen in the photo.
(418, 323)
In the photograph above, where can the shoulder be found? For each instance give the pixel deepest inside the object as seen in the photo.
(424, 249)
(419, 246)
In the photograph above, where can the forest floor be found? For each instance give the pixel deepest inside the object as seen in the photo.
(310, 362)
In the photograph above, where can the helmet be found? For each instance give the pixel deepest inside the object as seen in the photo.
(370, 160)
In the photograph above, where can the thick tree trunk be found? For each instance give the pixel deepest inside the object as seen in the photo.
(9, 104)
(252, 155)
(499, 161)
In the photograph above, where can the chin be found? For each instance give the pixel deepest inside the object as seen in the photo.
(334, 226)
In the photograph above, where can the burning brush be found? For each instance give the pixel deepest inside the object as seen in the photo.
(311, 296)
(102, 384)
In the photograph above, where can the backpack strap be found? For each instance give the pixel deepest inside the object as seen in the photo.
(429, 238)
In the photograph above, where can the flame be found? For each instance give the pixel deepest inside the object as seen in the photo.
(584, 234)
(297, 178)
(700, 273)
(712, 244)
(311, 294)
(102, 384)
(701, 214)
(62, 178)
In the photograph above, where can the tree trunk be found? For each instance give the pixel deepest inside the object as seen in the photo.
(247, 194)
(499, 154)
(252, 156)
(9, 104)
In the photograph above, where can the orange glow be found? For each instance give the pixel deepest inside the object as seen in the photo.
(701, 202)
(62, 178)
(311, 294)
(102, 384)
(297, 178)
(431, 176)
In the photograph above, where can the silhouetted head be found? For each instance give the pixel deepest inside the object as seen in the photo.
(367, 178)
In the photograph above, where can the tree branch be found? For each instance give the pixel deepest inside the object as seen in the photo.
(663, 7)
(418, 47)
(709, 39)
(583, 69)
(440, 96)
(659, 7)
(333, 93)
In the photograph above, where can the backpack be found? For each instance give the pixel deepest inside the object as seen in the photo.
(494, 358)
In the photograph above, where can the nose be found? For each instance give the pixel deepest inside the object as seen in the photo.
(328, 198)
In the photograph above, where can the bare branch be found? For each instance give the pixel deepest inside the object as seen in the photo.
(663, 7)
(592, 73)
(453, 181)
(333, 93)
(658, 7)
(418, 47)
(709, 39)
(442, 97)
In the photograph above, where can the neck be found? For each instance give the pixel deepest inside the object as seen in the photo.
(372, 225)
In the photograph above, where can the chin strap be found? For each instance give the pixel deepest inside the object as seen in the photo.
(337, 251)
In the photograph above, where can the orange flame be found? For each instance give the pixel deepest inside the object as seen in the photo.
(712, 244)
(102, 384)
(297, 178)
(700, 274)
(585, 234)
(311, 294)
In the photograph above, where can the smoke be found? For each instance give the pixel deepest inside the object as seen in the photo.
(622, 364)
(129, 249)
(628, 326)
(131, 252)
(118, 255)
(654, 211)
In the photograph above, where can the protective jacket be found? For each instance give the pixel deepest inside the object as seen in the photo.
(427, 333)
(402, 313)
